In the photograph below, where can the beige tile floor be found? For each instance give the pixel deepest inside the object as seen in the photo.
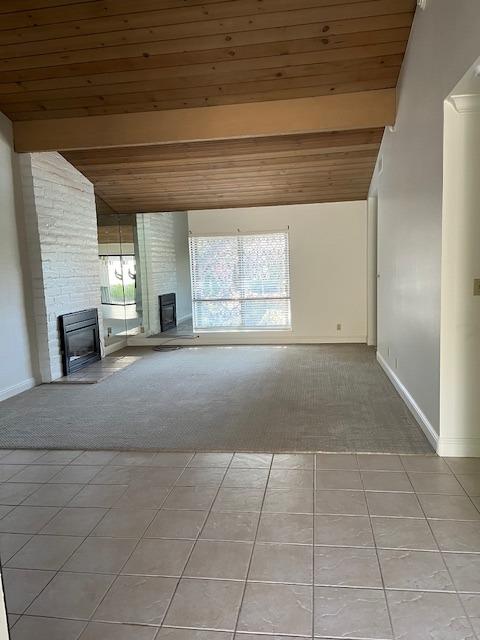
(182, 546)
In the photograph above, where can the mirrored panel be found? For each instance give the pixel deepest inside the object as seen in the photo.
(163, 283)
(117, 266)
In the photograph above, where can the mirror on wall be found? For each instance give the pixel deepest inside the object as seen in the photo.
(117, 266)
(143, 260)
(164, 299)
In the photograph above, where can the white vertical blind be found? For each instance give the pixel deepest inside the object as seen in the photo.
(240, 282)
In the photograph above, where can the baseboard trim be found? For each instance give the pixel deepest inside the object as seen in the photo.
(420, 417)
(459, 447)
(111, 348)
(226, 339)
(15, 389)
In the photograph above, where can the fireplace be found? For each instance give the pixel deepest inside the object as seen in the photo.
(80, 340)
(168, 311)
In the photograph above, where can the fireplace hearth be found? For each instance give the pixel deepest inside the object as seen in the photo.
(80, 339)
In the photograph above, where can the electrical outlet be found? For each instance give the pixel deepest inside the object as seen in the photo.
(109, 331)
(142, 329)
(339, 327)
(476, 287)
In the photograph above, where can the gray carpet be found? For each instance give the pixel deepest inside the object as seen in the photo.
(246, 398)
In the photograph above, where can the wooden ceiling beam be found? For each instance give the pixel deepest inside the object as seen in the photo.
(172, 204)
(348, 111)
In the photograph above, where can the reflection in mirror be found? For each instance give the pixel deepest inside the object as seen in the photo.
(117, 266)
(163, 269)
(144, 275)
(127, 225)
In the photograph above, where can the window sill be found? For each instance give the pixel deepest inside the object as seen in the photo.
(243, 331)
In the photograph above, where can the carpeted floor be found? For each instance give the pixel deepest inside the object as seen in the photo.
(242, 398)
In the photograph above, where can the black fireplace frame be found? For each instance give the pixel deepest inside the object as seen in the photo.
(167, 300)
(70, 323)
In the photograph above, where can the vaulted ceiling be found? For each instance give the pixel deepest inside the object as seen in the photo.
(229, 173)
(63, 62)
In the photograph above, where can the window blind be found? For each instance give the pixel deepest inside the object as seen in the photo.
(240, 282)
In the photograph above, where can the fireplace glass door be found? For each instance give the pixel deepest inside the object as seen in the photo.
(80, 340)
(81, 343)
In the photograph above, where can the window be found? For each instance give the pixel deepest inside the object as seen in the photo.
(240, 282)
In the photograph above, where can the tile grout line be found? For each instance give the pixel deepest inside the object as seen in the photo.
(209, 511)
(255, 540)
(128, 486)
(84, 538)
(3, 565)
(283, 582)
(48, 583)
(135, 547)
(384, 591)
(458, 594)
(58, 570)
(455, 475)
(242, 598)
(478, 509)
(38, 533)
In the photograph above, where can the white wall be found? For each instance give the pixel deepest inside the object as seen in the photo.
(16, 370)
(372, 271)
(4, 632)
(61, 226)
(460, 316)
(445, 40)
(328, 264)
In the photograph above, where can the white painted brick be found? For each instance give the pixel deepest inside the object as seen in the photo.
(156, 242)
(62, 235)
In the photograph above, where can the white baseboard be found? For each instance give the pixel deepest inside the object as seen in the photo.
(15, 389)
(459, 447)
(420, 417)
(116, 346)
(226, 338)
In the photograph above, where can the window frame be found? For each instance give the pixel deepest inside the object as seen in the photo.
(241, 328)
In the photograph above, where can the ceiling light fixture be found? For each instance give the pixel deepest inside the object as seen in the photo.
(422, 4)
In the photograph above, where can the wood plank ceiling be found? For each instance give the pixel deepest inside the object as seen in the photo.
(290, 169)
(70, 58)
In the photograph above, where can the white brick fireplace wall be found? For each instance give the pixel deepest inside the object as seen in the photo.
(63, 247)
